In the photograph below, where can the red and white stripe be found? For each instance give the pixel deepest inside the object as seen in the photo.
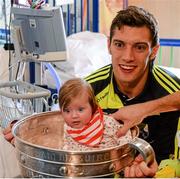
(92, 134)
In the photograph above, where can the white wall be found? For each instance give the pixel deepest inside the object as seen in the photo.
(167, 12)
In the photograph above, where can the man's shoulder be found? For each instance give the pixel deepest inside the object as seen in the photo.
(165, 72)
(100, 74)
(168, 80)
(100, 79)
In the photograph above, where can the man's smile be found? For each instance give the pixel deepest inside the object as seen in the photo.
(127, 68)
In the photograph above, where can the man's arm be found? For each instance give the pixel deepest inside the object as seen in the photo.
(168, 103)
(134, 114)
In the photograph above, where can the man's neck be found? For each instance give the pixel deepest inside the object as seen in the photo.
(133, 89)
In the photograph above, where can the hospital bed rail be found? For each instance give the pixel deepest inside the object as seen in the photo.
(171, 45)
(19, 99)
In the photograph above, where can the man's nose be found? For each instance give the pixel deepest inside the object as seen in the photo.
(128, 53)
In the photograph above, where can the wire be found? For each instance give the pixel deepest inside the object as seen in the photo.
(10, 18)
(5, 20)
(54, 75)
(9, 67)
(20, 70)
(35, 4)
(30, 2)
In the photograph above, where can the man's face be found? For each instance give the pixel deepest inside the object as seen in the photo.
(131, 52)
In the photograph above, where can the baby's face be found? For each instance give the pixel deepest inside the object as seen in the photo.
(79, 112)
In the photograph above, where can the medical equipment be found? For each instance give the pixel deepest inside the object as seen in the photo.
(39, 34)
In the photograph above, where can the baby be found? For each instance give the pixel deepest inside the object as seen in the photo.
(86, 127)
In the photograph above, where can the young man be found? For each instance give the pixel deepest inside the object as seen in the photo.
(133, 78)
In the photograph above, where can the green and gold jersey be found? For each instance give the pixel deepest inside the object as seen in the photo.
(102, 83)
(161, 128)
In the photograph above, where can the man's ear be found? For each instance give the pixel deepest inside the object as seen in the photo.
(109, 45)
(154, 52)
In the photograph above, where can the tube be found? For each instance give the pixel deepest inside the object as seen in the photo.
(54, 75)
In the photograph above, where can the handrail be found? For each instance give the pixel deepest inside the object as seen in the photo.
(170, 42)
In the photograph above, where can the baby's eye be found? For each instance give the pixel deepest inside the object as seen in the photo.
(66, 110)
(81, 109)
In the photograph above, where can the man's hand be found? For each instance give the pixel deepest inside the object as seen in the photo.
(140, 169)
(130, 115)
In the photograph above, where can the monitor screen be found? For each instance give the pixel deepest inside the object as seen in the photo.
(39, 34)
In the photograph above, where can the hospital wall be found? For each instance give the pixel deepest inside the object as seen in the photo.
(167, 12)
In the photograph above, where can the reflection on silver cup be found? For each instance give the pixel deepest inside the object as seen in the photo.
(38, 139)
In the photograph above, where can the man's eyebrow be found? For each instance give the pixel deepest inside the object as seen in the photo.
(137, 42)
(116, 40)
(133, 43)
(145, 43)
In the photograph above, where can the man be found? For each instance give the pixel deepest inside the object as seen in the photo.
(133, 78)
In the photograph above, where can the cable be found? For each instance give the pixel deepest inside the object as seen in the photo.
(5, 20)
(10, 18)
(9, 67)
(54, 74)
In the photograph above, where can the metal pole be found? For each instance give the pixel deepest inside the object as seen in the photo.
(95, 16)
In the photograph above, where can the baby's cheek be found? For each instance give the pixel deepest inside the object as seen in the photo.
(67, 119)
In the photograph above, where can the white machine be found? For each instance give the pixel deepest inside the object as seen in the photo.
(39, 34)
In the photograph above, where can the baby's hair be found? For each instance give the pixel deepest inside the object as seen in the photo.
(72, 89)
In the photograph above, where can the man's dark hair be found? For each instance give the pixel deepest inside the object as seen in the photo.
(136, 17)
